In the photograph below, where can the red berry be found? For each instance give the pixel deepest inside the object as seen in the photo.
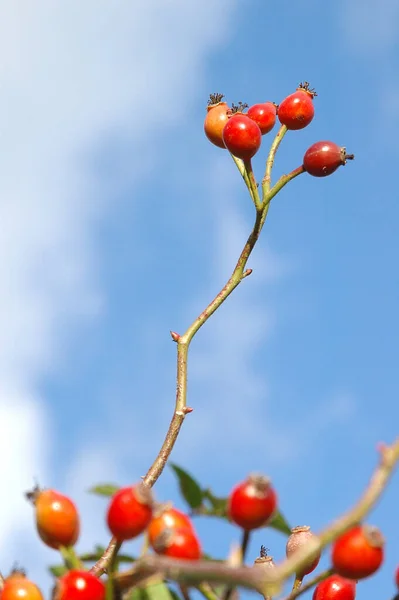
(79, 585)
(252, 503)
(359, 552)
(296, 111)
(323, 158)
(242, 136)
(57, 518)
(335, 587)
(299, 537)
(264, 115)
(178, 543)
(167, 517)
(130, 511)
(216, 119)
(18, 587)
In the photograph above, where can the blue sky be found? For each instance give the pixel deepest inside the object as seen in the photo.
(121, 222)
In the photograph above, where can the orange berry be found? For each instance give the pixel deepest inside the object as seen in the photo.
(57, 518)
(18, 587)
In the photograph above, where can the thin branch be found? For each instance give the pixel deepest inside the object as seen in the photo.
(101, 565)
(183, 344)
(190, 572)
(267, 179)
(243, 172)
(284, 179)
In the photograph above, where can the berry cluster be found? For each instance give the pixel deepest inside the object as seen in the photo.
(132, 511)
(241, 133)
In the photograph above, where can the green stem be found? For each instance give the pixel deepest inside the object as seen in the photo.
(183, 343)
(309, 585)
(246, 172)
(246, 535)
(284, 179)
(252, 185)
(267, 179)
(70, 557)
(207, 591)
(297, 583)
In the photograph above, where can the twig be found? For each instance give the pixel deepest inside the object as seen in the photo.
(1, 582)
(284, 179)
(267, 179)
(190, 572)
(183, 344)
(101, 565)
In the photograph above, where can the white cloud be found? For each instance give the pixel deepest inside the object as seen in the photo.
(71, 76)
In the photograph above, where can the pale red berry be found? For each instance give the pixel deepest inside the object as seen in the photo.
(299, 538)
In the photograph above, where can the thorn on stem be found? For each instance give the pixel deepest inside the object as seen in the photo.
(175, 336)
(246, 273)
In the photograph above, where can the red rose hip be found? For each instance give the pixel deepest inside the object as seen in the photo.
(242, 136)
(130, 511)
(178, 543)
(335, 587)
(296, 111)
(264, 114)
(79, 585)
(359, 552)
(323, 158)
(167, 517)
(252, 503)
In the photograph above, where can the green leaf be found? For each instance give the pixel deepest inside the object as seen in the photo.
(153, 591)
(280, 524)
(218, 505)
(189, 487)
(58, 570)
(104, 489)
